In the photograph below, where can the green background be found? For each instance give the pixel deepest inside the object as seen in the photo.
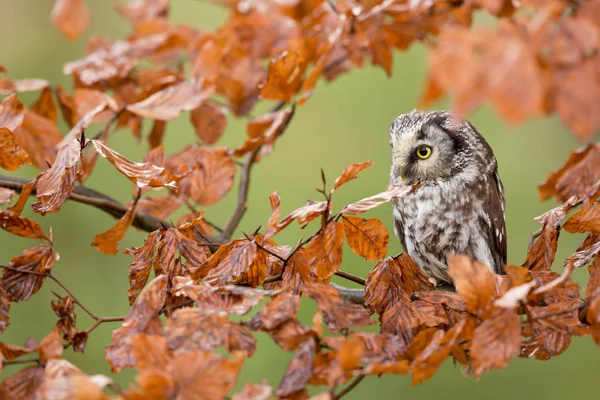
(345, 122)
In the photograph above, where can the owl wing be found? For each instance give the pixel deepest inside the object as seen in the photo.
(494, 204)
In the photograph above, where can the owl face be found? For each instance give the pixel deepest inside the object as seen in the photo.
(426, 147)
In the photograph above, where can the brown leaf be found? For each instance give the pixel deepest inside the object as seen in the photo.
(264, 131)
(279, 310)
(142, 318)
(26, 272)
(142, 174)
(68, 108)
(304, 214)
(275, 201)
(474, 282)
(204, 375)
(11, 112)
(51, 347)
(496, 341)
(251, 391)
(392, 278)
(39, 137)
(403, 320)
(213, 178)
(240, 262)
(108, 242)
(593, 315)
(149, 351)
(6, 195)
(285, 76)
(11, 155)
(190, 329)
(579, 173)
(24, 384)
(435, 353)
(71, 17)
(209, 121)
(351, 172)
(45, 105)
(168, 103)
(63, 380)
(367, 238)
(54, 186)
(340, 314)
(324, 251)
(4, 311)
(228, 300)
(299, 370)
(89, 102)
(194, 253)
(160, 206)
(22, 85)
(17, 208)
(587, 219)
(143, 10)
(21, 226)
(369, 203)
(545, 343)
(139, 269)
(541, 255)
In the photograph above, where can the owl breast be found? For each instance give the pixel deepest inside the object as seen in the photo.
(438, 220)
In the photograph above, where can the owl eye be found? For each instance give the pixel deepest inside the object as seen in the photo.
(423, 152)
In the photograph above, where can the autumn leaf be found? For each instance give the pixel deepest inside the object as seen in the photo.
(351, 172)
(212, 179)
(4, 311)
(108, 242)
(54, 186)
(24, 384)
(168, 103)
(142, 318)
(284, 76)
(11, 155)
(209, 121)
(251, 391)
(496, 341)
(71, 17)
(21, 226)
(139, 269)
(339, 314)
(45, 105)
(324, 251)
(11, 112)
(191, 329)
(304, 214)
(298, 372)
(587, 219)
(367, 238)
(279, 310)
(51, 347)
(391, 279)
(240, 262)
(25, 274)
(474, 282)
(142, 174)
(371, 202)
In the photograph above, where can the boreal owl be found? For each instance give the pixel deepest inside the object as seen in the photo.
(459, 207)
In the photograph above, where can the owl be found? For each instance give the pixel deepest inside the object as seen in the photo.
(459, 207)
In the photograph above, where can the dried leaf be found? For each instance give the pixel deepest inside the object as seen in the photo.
(71, 17)
(21, 226)
(351, 172)
(298, 372)
(142, 174)
(45, 105)
(496, 341)
(209, 121)
(279, 310)
(54, 186)
(587, 219)
(367, 238)
(240, 262)
(376, 200)
(139, 269)
(142, 318)
(4, 312)
(11, 155)
(25, 274)
(168, 103)
(51, 347)
(474, 282)
(324, 251)
(108, 242)
(285, 76)
(340, 315)
(251, 391)
(24, 384)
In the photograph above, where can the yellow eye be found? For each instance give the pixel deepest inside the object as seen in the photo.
(423, 152)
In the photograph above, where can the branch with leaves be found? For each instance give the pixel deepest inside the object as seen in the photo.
(192, 283)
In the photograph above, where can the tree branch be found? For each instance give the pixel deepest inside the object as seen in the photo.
(356, 296)
(85, 195)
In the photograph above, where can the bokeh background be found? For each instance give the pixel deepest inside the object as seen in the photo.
(345, 121)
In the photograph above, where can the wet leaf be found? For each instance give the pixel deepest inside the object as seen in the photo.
(21, 226)
(240, 262)
(139, 269)
(26, 272)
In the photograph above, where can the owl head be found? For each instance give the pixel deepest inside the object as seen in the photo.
(429, 146)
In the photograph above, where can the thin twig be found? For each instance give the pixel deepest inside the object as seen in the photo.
(27, 361)
(348, 388)
(75, 299)
(356, 296)
(102, 320)
(351, 277)
(82, 194)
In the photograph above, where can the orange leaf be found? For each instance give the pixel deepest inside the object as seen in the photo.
(209, 121)
(285, 76)
(350, 173)
(108, 242)
(240, 262)
(11, 155)
(24, 384)
(34, 263)
(299, 370)
(324, 251)
(54, 186)
(496, 341)
(367, 238)
(51, 347)
(21, 226)
(139, 269)
(39, 137)
(142, 174)
(474, 282)
(71, 17)
(585, 220)
(260, 391)
(45, 105)
(11, 112)
(168, 103)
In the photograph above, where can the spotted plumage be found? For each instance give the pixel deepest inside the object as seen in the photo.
(459, 209)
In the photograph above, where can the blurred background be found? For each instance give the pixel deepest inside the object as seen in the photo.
(344, 122)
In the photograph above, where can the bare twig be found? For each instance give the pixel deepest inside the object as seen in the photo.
(356, 296)
(82, 194)
(17, 362)
(351, 277)
(348, 388)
